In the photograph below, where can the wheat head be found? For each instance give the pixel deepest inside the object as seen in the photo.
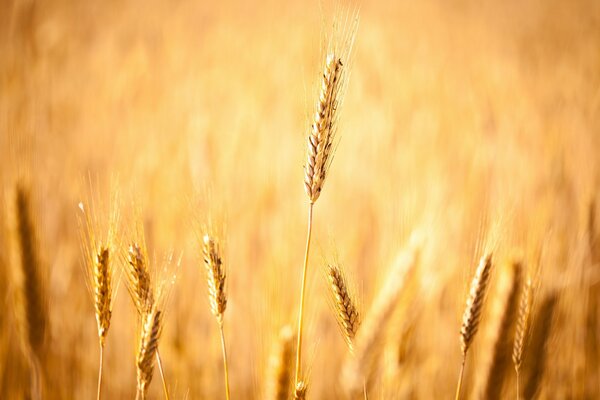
(215, 277)
(346, 312)
(320, 140)
(475, 301)
(151, 328)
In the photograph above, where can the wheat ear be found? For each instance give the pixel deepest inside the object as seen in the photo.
(280, 366)
(522, 329)
(141, 291)
(320, 143)
(473, 309)
(32, 299)
(138, 278)
(505, 310)
(151, 328)
(346, 312)
(216, 292)
(320, 140)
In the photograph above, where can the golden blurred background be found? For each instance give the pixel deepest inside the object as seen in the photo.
(475, 122)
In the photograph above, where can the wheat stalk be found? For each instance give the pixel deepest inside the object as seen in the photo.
(473, 309)
(100, 273)
(280, 366)
(346, 312)
(320, 143)
(506, 305)
(140, 288)
(522, 329)
(151, 328)
(33, 309)
(216, 292)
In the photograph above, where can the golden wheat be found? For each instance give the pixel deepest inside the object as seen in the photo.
(506, 303)
(216, 292)
(281, 366)
(473, 310)
(151, 328)
(522, 329)
(360, 367)
(345, 309)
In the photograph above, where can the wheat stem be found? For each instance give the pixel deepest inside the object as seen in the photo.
(302, 294)
(460, 378)
(518, 378)
(225, 367)
(100, 372)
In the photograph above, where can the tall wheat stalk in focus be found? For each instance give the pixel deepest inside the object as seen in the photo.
(320, 148)
(99, 253)
(473, 310)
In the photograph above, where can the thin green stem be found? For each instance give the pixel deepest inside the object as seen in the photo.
(226, 369)
(460, 377)
(302, 295)
(162, 374)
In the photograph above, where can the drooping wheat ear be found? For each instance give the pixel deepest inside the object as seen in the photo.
(473, 309)
(522, 329)
(300, 391)
(281, 366)
(360, 367)
(537, 354)
(346, 311)
(503, 319)
(320, 140)
(138, 277)
(102, 292)
(151, 328)
(215, 276)
(35, 318)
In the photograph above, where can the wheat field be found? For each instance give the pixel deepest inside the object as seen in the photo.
(320, 199)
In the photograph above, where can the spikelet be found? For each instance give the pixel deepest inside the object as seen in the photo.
(281, 366)
(320, 140)
(151, 328)
(300, 391)
(475, 301)
(522, 325)
(138, 278)
(346, 312)
(360, 367)
(215, 277)
(506, 303)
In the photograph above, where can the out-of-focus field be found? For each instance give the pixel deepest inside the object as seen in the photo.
(474, 122)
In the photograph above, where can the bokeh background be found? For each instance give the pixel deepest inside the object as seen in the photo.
(476, 122)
